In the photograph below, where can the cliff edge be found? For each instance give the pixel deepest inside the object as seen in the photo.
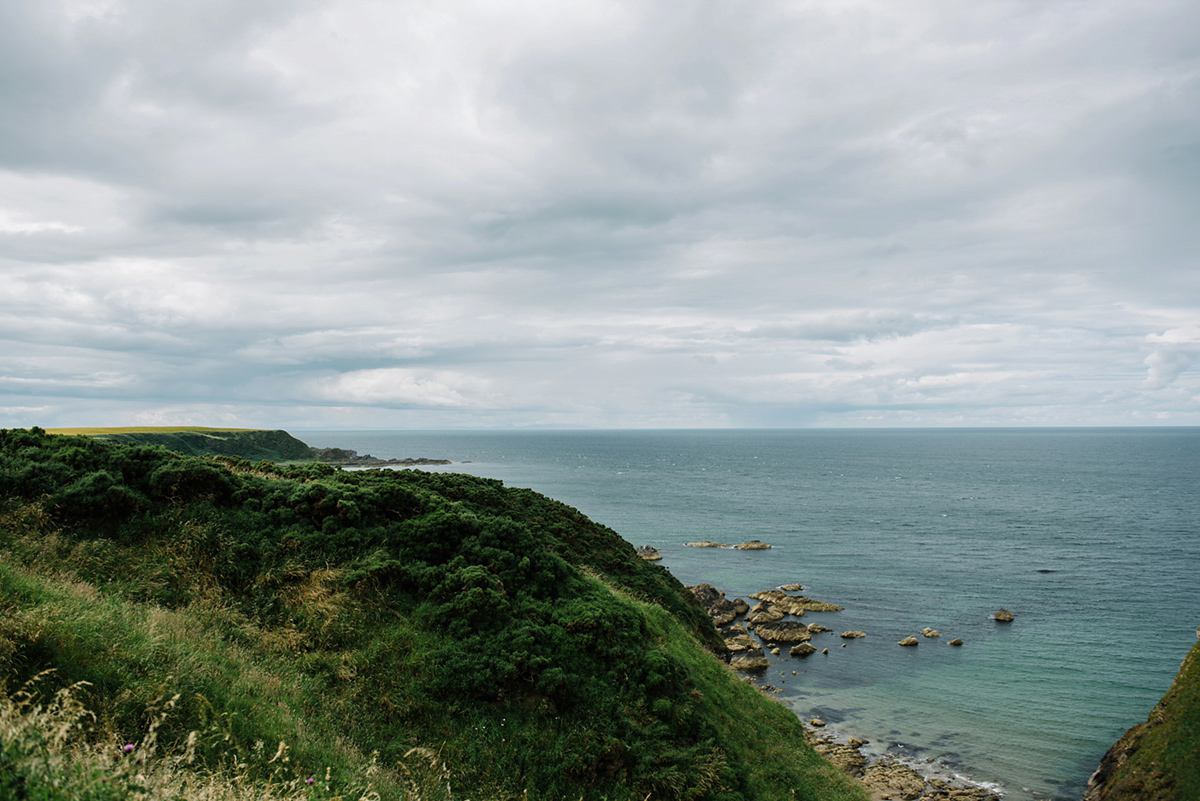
(1158, 760)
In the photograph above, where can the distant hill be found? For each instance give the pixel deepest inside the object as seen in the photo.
(247, 443)
(226, 629)
(252, 444)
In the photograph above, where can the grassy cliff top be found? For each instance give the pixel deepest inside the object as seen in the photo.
(411, 634)
(100, 431)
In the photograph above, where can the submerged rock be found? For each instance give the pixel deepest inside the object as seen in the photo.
(707, 544)
(797, 588)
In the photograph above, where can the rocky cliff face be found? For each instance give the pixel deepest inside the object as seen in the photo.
(1158, 760)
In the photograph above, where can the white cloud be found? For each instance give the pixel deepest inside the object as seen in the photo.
(600, 213)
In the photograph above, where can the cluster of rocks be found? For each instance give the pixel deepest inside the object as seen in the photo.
(765, 619)
(752, 545)
(888, 777)
(345, 457)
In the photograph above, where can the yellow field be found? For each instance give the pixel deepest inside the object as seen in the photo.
(100, 431)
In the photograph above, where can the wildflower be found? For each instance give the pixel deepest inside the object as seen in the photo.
(128, 748)
(309, 780)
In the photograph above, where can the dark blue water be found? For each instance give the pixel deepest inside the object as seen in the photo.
(1090, 536)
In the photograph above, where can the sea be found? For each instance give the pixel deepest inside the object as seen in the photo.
(1089, 536)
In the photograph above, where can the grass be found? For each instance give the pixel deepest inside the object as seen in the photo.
(1163, 754)
(95, 431)
(423, 636)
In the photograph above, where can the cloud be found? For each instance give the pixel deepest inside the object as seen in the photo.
(1173, 352)
(397, 386)
(599, 213)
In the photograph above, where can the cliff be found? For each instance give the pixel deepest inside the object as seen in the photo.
(393, 634)
(1158, 760)
(252, 444)
(246, 443)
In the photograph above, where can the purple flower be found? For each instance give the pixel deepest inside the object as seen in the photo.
(310, 780)
(128, 748)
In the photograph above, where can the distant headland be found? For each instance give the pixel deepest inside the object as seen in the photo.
(252, 444)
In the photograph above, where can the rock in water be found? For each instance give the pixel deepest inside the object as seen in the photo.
(784, 631)
(928, 632)
(1003, 616)
(955, 641)
(908, 642)
(649, 553)
(764, 612)
(853, 635)
(803, 649)
(750, 663)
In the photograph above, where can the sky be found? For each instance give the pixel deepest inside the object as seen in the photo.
(350, 214)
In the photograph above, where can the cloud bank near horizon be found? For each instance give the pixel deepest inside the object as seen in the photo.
(361, 214)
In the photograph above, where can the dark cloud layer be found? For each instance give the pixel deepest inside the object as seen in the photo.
(372, 214)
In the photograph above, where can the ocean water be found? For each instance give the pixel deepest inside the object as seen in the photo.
(1091, 537)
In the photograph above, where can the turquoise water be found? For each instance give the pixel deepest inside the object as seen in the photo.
(1090, 536)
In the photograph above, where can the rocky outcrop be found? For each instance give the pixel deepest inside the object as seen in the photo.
(853, 635)
(798, 588)
(803, 649)
(928, 632)
(749, 662)
(648, 552)
(783, 631)
(707, 544)
(817, 628)
(763, 612)
(721, 610)
(752, 545)
(889, 777)
(908, 642)
(794, 604)
(1003, 616)
(956, 641)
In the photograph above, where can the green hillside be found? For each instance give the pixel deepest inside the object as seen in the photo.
(1158, 760)
(405, 634)
(247, 443)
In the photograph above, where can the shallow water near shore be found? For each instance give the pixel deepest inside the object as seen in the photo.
(1090, 536)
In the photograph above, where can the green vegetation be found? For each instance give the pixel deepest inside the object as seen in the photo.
(405, 634)
(1158, 760)
(246, 443)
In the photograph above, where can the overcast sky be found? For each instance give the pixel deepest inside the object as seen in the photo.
(359, 214)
